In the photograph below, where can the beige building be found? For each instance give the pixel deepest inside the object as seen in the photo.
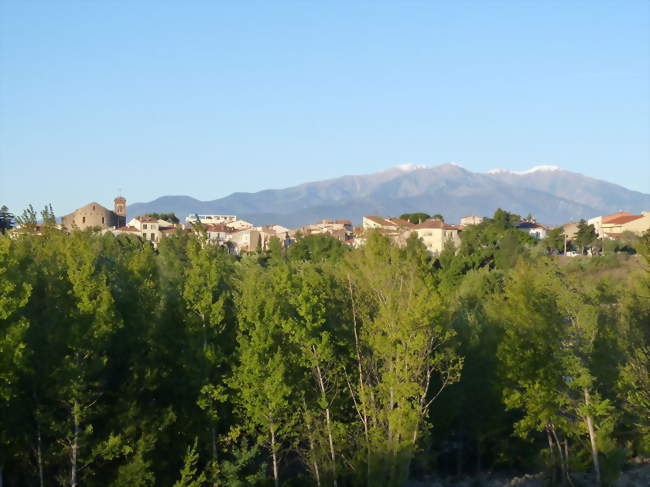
(95, 215)
(471, 220)
(435, 234)
(391, 224)
(148, 227)
(247, 240)
(598, 221)
(637, 224)
(339, 229)
(570, 230)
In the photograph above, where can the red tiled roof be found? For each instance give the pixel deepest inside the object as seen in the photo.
(400, 222)
(146, 219)
(378, 219)
(613, 216)
(219, 228)
(435, 223)
(620, 220)
(127, 229)
(344, 222)
(430, 223)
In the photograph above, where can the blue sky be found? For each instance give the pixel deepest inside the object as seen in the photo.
(208, 98)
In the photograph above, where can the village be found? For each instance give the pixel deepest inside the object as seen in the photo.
(240, 236)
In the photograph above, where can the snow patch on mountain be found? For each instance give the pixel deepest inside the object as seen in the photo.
(410, 167)
(544, 168)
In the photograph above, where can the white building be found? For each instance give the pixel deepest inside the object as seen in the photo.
(471, 220)
(211, 219)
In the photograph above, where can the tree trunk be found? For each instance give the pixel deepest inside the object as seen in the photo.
(312, 448)
(361, 383)
(478, 454)
(39, 454)
(563, 466)
(213, 434)
(75, 445)
(553, 457)
(592, 439)
(276, 478)
(328, 422)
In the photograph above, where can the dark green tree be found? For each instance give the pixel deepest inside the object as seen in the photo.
(415, 218)
(6, 219)
(585, 236)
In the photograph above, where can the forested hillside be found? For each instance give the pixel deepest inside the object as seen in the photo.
(121, 365)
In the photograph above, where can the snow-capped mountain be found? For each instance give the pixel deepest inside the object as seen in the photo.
(550, 193)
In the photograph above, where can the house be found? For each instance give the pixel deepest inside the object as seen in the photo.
(598, 221)
(95, 215)
(471, 220)
(434, 234)
(151, 229)
(570, 230)
(533, 228)
(613, 227)
(211, 219)
(230, 220)
(247, 240)
(128, 230)
(339, 229)
(391, 224)
(148, 227)
(393, 228)
(377, 222)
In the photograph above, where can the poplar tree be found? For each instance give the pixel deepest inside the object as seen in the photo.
(264, 376)
(206, 293)
(14, 293)
(547, 357)
(90, 325)
(405, 357)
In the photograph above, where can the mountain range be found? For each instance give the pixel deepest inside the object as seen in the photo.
(553, 195)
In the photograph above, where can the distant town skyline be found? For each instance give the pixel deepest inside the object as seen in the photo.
(205, 99)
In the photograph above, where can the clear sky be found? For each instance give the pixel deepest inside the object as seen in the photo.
(207, 98)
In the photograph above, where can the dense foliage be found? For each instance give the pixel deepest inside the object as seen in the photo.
(124, 365)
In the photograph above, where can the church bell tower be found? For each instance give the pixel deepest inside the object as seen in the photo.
(120, 211)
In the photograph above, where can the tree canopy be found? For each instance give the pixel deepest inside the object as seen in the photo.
(318, 364)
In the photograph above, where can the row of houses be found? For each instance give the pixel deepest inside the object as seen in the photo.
(241, 236)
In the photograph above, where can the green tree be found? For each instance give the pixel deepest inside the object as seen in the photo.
(585, 236)
(263, 377)
(206, 293)
(27, 220)
(6, 219)
(415, 218)
(190, 476)
(14, 294)
(554, 240)
(547, 356)
(169, 217)
(405, 357)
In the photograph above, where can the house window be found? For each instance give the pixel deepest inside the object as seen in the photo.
(93, 207)
(153, 237)
(102, 219)
(83, 219)
(144, 226)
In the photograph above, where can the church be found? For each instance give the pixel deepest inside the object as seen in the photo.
(95, 215)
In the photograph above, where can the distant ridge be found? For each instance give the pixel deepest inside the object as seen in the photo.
(551, 194)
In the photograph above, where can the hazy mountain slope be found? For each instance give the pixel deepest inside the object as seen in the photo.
(554, 196)
(576, 187)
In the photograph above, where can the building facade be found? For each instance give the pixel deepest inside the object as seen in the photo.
(94, 215)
